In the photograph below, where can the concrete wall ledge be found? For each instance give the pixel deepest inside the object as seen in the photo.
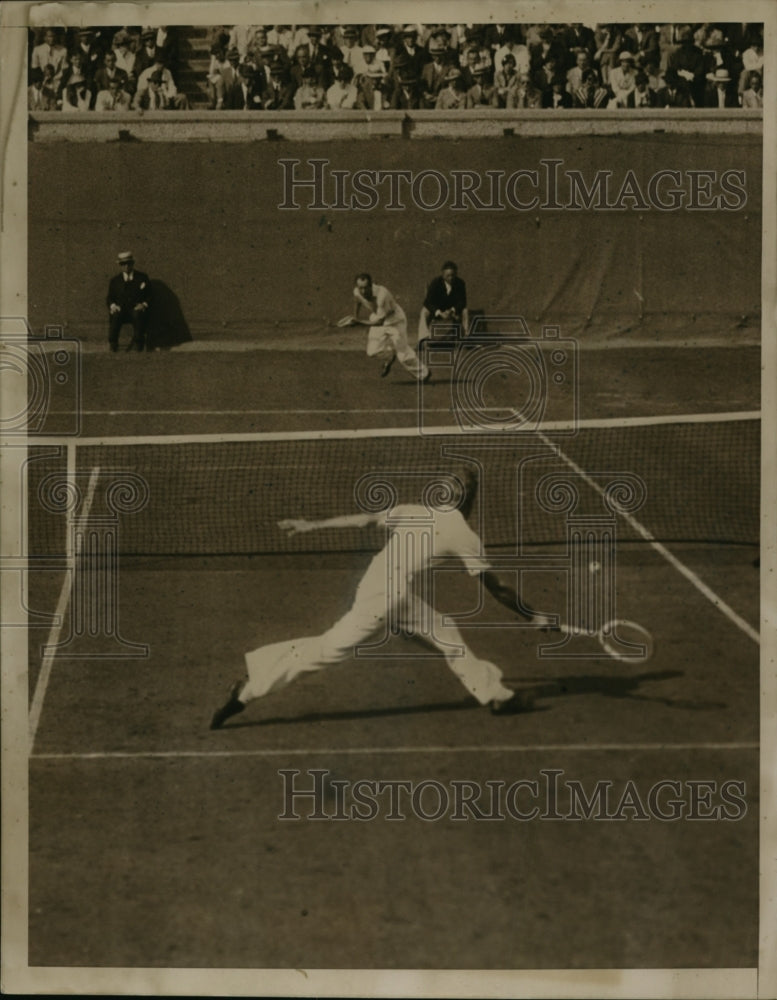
(257, 126)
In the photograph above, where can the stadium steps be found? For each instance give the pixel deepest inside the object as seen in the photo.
(192, 73)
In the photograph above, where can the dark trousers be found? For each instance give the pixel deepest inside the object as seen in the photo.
(138, 322)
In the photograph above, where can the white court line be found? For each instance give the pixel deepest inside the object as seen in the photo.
(64, 599)
(681, 568)
(448, 430)
(388, 751)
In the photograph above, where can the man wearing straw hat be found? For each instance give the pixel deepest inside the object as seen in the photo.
(129, 295)
(719, 92)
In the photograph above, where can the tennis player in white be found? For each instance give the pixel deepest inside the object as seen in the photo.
(390, 595)
(376, 308)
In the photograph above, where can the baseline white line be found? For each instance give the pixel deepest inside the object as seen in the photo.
(64, 599)
(681, 568)
(387, 751)
(449, 430)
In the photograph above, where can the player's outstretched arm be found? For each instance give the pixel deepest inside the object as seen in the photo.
(508, 596)
(299, 526)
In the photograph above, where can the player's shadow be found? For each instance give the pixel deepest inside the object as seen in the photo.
(167, 325)
(363, 713)
(618, 686)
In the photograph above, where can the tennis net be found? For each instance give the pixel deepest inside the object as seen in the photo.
(691, 478)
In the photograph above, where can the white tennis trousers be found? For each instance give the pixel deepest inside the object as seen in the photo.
(273, 667)
(385, 341)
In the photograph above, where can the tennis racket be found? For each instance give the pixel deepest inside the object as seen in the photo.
(621, 639)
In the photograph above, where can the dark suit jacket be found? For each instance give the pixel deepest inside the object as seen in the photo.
(128, 294)
(283, 101)
(234, 99)
(437, 296)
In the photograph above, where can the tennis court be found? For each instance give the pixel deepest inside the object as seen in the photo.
(156, 842)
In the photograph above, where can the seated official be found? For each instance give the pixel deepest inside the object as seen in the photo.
(445, 302)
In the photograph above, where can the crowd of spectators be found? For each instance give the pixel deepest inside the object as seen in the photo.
(105, 69)
(412, 66)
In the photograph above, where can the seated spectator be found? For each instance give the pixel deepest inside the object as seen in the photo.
(415, 58)
(87, 45)
(548, 48)
(125, 57)
(525, 94)
(482, 93)
(343, 94)
(321, 54)
(642, 96)
(642, 41)
(433, 75)
(146, 54)
(687, 61)
(506, 83)
(241, 37)
(76, 96)
(475, 41)
(496, 36)
(675, 93)
(406, 92)
(440, 39)
(575, 75)
(369, 53)
(753, 94)
(40, 96)
(718, 54)
(302, 68)
(557, 96)
(518, 51)
(608, 39)
(655, 79)
(164, 94)
(383, 47)
(309, 94)
(244, 94)
(166, 43)
(591, 93)
(220, 72)
(75, 76)
(718, 92)
(667, 44)
(282, 37)
(279, 94)
(550, 69)
(50, 52)
(623, 79)
(453, 96)
(372, 87)
(114, 96)
(107, 72)
(352, 51)
(260, 56)
(577, 39)
(469, 63)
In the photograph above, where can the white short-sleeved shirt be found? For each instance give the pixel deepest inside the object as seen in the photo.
(386, 303)
(415, 541)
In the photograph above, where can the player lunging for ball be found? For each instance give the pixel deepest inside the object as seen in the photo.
(376, 308)
(388, 595)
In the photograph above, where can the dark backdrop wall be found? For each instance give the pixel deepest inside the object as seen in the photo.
(203, 218)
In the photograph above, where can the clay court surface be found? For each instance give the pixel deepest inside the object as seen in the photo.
(156, 842)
